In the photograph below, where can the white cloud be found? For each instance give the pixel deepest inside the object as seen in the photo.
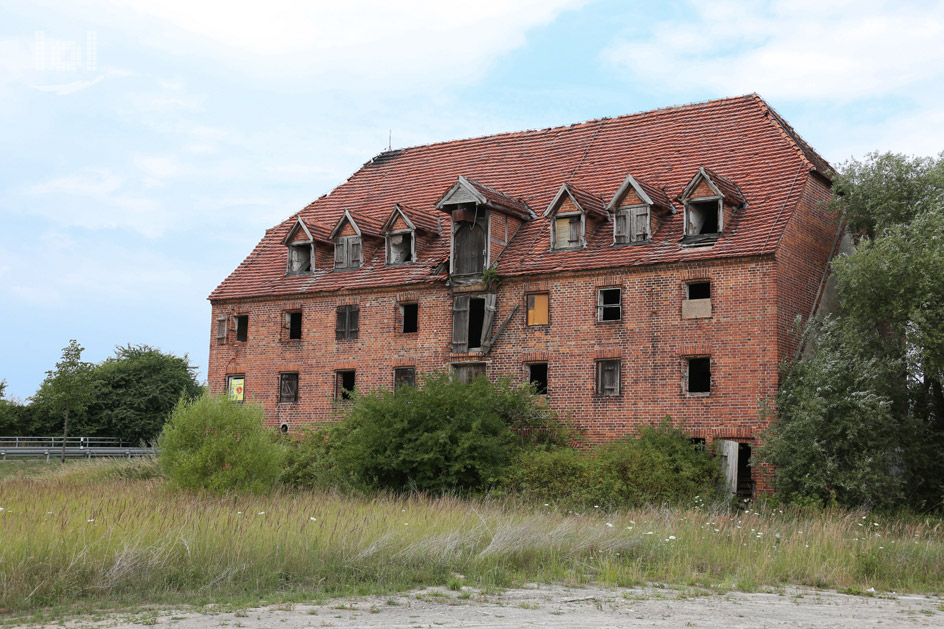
(792, 51)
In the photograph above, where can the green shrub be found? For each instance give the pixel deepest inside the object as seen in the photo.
(660, 465)
(308, 461)
(445, 436)
(216, 444)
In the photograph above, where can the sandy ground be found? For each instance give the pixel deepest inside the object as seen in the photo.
(559, 606)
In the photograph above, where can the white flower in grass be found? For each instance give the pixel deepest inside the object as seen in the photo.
(239, 513)
(609, 524)
(649, 533)
(262, 513)
(313, 519)
(92, 520)
(546, 504)
(629, 528)
(671, 537)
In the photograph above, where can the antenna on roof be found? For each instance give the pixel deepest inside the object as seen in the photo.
(390, 141)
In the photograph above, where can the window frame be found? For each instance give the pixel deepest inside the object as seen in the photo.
(230, 382)
(482, 367)
(529, 300)
(628, 213)
(398, 376)
(547, 375)
(284, 378)
(221, 330)
(287, 316)
(389, 247)
(401, 310)
(600, 388)
(719, 201)
(290, 269)
(340, 393)
(242, 331)
(572, 218)
(347, 332)
(687, 381)
(345, 245)
(601, 307)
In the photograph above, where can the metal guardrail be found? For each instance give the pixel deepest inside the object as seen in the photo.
(36, 452)
(56, 442)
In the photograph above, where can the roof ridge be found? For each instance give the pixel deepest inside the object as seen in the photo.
(644, 113)
(807, 153)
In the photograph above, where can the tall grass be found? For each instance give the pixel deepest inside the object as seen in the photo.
(101, 534)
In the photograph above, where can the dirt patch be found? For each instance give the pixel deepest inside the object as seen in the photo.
(555, 606)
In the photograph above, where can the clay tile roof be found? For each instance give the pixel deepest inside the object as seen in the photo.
(762, 158)
(732, 194)
(501, 200)
(421, 220)
(658, 196)
(591, 203)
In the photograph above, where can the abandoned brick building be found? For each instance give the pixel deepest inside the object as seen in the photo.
(632, 267)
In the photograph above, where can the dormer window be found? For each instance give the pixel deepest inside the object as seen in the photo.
(568, 232)
(348, 252)
(638, 209)
(632, 224)
(711, 202)
(400, 234)
(569, 212)
(703, 217)
(300, 250)
(400, 248)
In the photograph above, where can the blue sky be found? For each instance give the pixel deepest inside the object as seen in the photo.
(146, 147)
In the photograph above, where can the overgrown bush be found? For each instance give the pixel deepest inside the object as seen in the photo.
(661, 465)
(216, 444)
(445, 436)
(308, 461)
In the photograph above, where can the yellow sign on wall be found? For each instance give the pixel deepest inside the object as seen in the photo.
(236, 388)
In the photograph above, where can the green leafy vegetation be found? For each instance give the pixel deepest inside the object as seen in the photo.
(860, 420)
(217, 444)
(659, 466)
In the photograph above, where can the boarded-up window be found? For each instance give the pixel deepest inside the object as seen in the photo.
(242, 327)
(608, 377)
(621, 227)
(469, 249)
(236, 387)
(348, 322)
(631, 224)
(345, 382)
(293, 325)
(288, 388)
(568, 232)
(404, 377)
(467, 372)
(299, 259)
(221, 330)
(348, 252)
(609, 304)
(538, 309)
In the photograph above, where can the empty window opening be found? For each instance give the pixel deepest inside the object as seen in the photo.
(468, 372)
(346, 381)
(476, 319)
(745, 485)
(538, 309)
(608, 377)
(537, 376)
(703, 217)
(698, 290)
(410, 316)
(699, 443)
(293, 321)
(699, 375)
(242, 327)
(404, 377)
(400, 248)
(299, 259)
(609, 306)
(567, 232)
(283, 428)
(236, 387)
(348, 322)
(288, 388)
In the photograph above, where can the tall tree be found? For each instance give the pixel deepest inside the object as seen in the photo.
(861, 419)
(68, 389)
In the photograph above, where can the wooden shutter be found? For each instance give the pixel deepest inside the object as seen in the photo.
(574, 239)
(488, 319)
(460, 324)
(340, 253)
(340, 330)
(608, 377)
(620, 226)
(356, 252)
(561, 233)
(288, 387)
(640, 223)
(353, 321)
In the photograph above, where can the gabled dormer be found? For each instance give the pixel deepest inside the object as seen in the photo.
(710, 202)
(483, 221)
(300, 258)
(638, 210)
(348, 243)
(569, 212)
(400, 233)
